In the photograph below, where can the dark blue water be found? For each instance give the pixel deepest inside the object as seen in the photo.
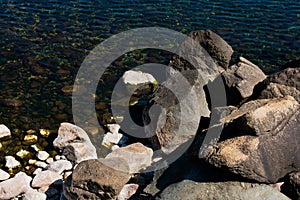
(42, 43)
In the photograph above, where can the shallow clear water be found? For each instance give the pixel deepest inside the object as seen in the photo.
(42, 43)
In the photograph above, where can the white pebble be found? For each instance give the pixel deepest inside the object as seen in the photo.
(4, 132)
(42, 155)
(11, 162)
(49, 160)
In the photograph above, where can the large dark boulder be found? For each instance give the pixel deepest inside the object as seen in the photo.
(266, 158)
(289, 77)
(96, 179)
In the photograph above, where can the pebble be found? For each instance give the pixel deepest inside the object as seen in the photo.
(127, 191)
(42, 155)
(4, 175)
(49, 160)
(60, 166)
(35, 147)
(45, 178)
(41, 164)
(111, 138)
(11, 162)
(113, 128)
(30, 139)
(22, 153)
(45, 132)
(31, 161)
(4, 132)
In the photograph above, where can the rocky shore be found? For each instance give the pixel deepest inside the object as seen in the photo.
(256, 156)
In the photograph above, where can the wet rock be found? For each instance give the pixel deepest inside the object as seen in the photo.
(22, 153)
(42, 155)
(15, 186)
(30, 139)
(60, 166)
(34, 195)
(136, 155)
(11, 162)
(240, 80)
(92, 179)
(127, 191)
(275, 90)
(4, 175)
(137, 77)
(260, 117)
(75, 143)
(266, 158)
(288, 77)
(45, 178)
(4, 132)
(221, 191)
(291, 186)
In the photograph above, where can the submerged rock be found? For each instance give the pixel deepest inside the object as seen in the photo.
(4, 132)
(221, 191)
(75, 143)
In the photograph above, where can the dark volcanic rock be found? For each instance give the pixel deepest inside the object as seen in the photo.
(291, 186)
(199, 61)
(240, 80)
(266, 158)
(92, 179)
(289, 77)
(221, 191)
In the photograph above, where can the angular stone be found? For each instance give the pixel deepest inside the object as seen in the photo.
(220, 190)
(4, 175)
(45, 178)
(4, 132)
(137, 77)
(240, 80)
(127, 191)
(75, 143)
(11, 162)
(34, 195)
(266, 158)
(42, 155)
(15, 186)
(288, 77)
(260, 117)
(137, 156)
(275, 90)
(60, 166)
(92, 179)
(291, 186)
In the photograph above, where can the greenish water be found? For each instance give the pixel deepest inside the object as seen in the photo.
(43, 43)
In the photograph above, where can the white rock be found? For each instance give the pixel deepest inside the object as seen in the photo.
(113, 128)
(4, 175)
(22, 153)
(4, 132)
(35, 147)
(34, 195)
(11, 162)
(78, 144)
(114, 147)
(111, 138)
(31, 161)
(127, 191)
(15, 186)
(37, 170)
(137, 156)
(42, 155)
(49, 160)
(45, 178)
(41, 164)
(60, 166)
(137, 77)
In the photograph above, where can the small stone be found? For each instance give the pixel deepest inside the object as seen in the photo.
(35, 147)
(34, 195)
(4, 132)
(41, 164)
(30, 139)
(11, 162)
(22, 153)
(32, 161)
(60, 166)
(49, 160)
(15, 186)
(114, 128)
(42, 155)
(30, 132)
(111, 138)
(4, 175)
(127, 191)
(45, 178)
(45, 132)
(137, 77)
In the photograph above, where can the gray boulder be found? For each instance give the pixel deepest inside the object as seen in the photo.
(75, 143)
(240, 80)
(96, 179)
(199, 60)
(222, 191)
(288, 77)
(266, 158)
